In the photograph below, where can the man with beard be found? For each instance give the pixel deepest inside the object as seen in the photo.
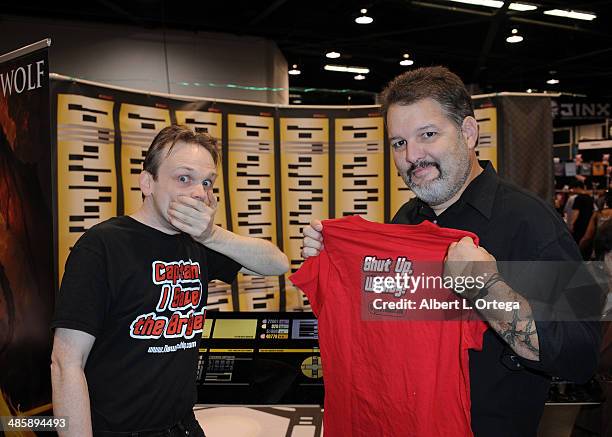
(433, 135)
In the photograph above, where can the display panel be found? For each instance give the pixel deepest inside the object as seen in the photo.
(304, 148)
(261, 358)
(360, 167)
(139, 125)
(86, 170)
(487, 134)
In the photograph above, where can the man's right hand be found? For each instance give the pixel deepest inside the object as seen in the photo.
(313, 239)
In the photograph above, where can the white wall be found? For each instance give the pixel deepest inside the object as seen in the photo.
(135, 57)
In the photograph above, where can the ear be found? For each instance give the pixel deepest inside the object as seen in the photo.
(469, 130)
(146, 183)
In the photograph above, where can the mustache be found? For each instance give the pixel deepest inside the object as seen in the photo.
(421, 164)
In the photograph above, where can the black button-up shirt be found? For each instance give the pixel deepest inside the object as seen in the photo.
(508, 392)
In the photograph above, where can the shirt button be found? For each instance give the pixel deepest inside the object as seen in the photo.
(435, 221)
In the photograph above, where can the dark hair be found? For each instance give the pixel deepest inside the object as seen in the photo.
(437, 83)
(171, 135)
(603, 240)
(576, 183)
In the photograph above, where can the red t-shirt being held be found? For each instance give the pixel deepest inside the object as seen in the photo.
(385, 375)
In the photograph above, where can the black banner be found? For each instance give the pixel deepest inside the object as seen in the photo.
(26, 242)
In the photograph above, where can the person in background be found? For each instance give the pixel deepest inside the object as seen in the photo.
(583, 210)
(568, 208)
(597, 220)
(603, 253)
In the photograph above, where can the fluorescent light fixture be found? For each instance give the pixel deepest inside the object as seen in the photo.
(363, 18)
(552, 81)
(521, 7)
(297, 101)
(332, 55)
(345, 69)
(588, 16)
(360, 77)
(294, 71)
(489, 3)
(515, 37)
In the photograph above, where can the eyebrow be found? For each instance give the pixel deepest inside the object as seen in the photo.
(428, 126)
(424, 127)
(192, 170)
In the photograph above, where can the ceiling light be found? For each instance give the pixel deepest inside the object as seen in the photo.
(363, 18)
(332, 55)
(294, 71)
(345, 69)
(521, 7)
(588, 16)
(553, 80)
(405, 62)
(297, 101)
(515, 37)
(360, 77)
(529, 90)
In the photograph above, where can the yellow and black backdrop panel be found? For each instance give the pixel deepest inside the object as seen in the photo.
(202, 117)
(487, 134)
(305, 179)
(252, 196)
(86, 170)
(280, 168)
(360, 172)
(138, 125)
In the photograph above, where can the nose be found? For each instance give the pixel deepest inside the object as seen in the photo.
(199, 192)
(413, 152)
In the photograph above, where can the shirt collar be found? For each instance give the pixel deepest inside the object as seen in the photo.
(480, 194)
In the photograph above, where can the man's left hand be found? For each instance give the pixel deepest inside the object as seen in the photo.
(193, 216)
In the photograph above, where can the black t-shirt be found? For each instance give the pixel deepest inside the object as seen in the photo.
(584, 204)
(142, 293)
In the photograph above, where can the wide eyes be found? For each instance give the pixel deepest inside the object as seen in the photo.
(186, 179)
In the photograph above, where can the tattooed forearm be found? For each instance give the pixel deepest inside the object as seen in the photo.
(516, 327)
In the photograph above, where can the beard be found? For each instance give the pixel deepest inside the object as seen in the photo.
(453, 171)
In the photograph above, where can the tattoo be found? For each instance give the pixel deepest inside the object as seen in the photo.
(517, 328)
(511, 332)
(530, 331)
